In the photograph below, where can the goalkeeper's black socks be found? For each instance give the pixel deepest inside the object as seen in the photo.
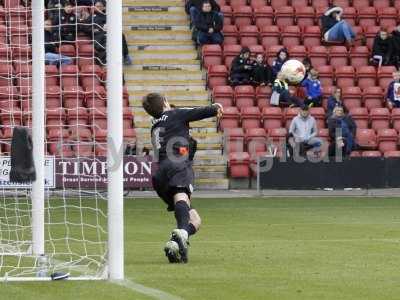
(191, 229)
(182, 215)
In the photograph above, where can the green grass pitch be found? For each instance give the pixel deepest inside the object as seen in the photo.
(251, 249)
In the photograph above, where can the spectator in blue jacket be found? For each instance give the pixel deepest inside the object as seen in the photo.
(335, 29)
(393, 91)
(334, 101)
(342, 131)
(281, 57)
(313, 89)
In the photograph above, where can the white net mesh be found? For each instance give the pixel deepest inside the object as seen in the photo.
(76, 127)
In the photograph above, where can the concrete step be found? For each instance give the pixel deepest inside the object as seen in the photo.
(161, 19)
(136, 103)
(209, 175)
(162, 3)
(206, 160)
(134, 10)
(173, 54)
(169, 83)
(212, 184)
(163, 65)
(143, 130)
(169, 29)
(139, 41)
(175, 46)
(157, 35)
(163, 75)
(166, 88)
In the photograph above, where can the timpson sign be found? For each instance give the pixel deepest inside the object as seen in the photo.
(92, 172)
(87, 173)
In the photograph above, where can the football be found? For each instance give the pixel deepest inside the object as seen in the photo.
(293, 71)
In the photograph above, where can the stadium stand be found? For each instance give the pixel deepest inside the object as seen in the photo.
(295, 25)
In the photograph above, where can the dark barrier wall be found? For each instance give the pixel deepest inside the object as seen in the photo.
(351, 173)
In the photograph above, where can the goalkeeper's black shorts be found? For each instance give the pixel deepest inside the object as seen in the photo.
(172, 178)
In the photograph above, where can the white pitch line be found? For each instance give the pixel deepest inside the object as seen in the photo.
(148, 291)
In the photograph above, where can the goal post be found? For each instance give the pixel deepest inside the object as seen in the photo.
(76, 115)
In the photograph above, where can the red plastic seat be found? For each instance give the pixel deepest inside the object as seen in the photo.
(95, 96)
(380, 118)
(272, 51)
(77, 116)
(230, 118)
(351, 96)
(228, 14)
(249, 35)
(305, 15)
(366, 76)
(272, 117)
(284, 16)
(319, 114)
(278, 138)
(320, 3)
(244, 96)
(278, 3)
(312, 36)
(239, 163)
(231, 35)
(367, 16)
(258, 3)
(255, 50)
(91, 75)
(211, 55)
(350, 15)
(370, 33)
(345, 76)
(52, 76)
(53, 98)
(68, 50)
(55, 118)
(263, 94)
(360, 3)
(217, 75)
(385, 76)
(290, 114)
(366, 138)
(360, 116)
(69, 75)
(291, 36)
(270, 35)
(233, 140)
(264, 16)
(359, 56)
(223, 95)
(395, 117)
(387, 140)
(19, 36)
(319, 56)
(256, 140)
(325, 75)
(381, 3)
(243, 15)
(297, 52)
(387, 16)
(341, 3)
(6, 74)
(230, 52)
(338, 56)
(235, 3)
(73, 96)
(373, 97)
(251, 117)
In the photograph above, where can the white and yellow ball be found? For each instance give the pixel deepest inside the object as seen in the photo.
(293, 71)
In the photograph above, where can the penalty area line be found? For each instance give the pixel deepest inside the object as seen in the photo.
(145, 290)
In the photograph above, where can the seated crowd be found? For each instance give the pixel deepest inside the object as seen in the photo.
(67, 18)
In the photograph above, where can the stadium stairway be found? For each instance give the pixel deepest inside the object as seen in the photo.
(165, 60)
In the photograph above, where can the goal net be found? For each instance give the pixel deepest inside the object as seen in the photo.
(74, 222)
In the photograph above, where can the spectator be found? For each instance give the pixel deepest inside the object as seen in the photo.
(303, 132)
(67, 23)
(94, 25)
(262, 72)
(313, 89)
(241, 68)
(342, 130)
(209, 25)
(393, 91)
(334, 28)
(51, 43)
(334, 101)
(381, 48)
(130, 148)
(394, 51)
(281, 57)
(194, 7)
(281, 94)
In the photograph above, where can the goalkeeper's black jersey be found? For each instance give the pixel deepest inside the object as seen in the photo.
(170, 132)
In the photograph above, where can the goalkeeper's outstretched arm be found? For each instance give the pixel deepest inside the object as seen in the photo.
(200, 113)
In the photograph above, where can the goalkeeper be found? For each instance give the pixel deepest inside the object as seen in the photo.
(173, 181)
